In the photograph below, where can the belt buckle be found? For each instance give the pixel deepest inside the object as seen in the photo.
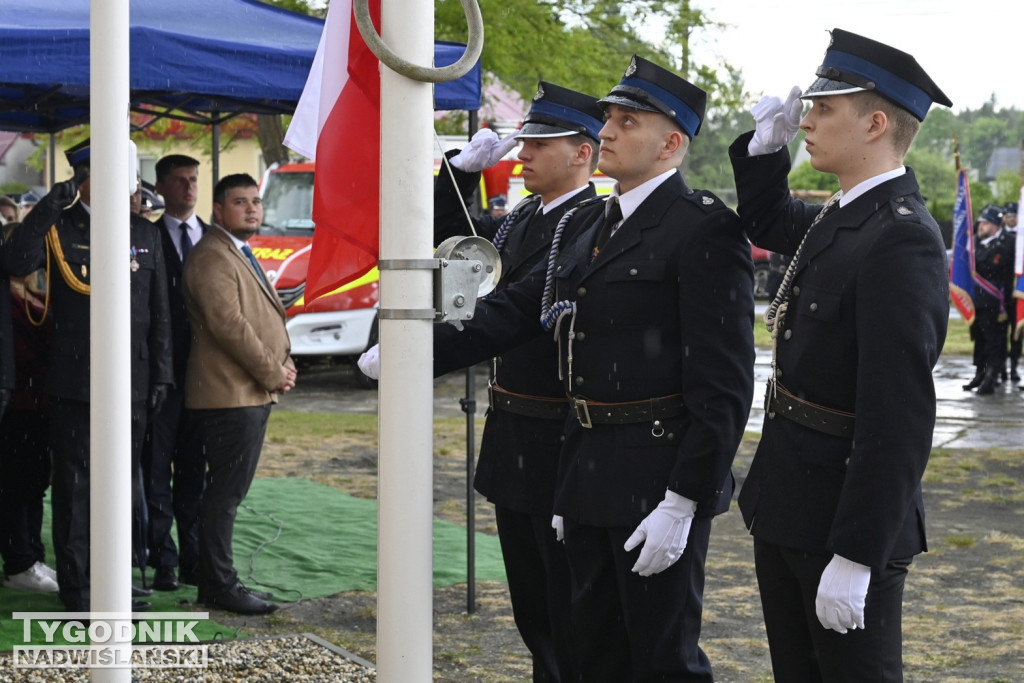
(582, 415)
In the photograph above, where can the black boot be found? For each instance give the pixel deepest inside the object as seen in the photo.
(988, 382)
(974, 383)
(1013, 370)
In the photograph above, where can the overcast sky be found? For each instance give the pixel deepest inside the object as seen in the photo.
(970, 49)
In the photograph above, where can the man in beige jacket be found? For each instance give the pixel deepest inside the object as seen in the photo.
(238, 364)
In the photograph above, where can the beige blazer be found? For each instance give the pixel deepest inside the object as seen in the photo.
(239, 340)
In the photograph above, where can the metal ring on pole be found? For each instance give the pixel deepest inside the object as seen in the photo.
(407, 314)
(474, 46)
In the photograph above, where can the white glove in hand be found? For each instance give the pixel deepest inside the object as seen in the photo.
(776, 123)
(559, 526)
(842, 592)
(369, 362)
(663, 533)
(483, 151)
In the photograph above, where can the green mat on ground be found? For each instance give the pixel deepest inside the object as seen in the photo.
(290, 533)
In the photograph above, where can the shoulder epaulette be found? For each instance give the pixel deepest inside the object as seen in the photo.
(906, 208)
(706, 200)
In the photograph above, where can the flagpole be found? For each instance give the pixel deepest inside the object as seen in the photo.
(405, 495)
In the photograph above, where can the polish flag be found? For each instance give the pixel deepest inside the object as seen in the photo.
(337, 124)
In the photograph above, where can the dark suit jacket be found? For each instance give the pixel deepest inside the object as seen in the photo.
(239, 340)
(180, 336)
(68, 364)
(518, 460)
(667, 307)
(865, 326)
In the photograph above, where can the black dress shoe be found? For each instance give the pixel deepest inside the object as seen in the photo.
(164, 579)
(140, 592)
(262, 595)
(236, 599)
(141, 606)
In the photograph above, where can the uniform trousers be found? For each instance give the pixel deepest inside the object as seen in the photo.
(538, 585)
(24, 476)
(804, 651)
(174, 470)
(232, 440)
(633, 629)
(69, 444)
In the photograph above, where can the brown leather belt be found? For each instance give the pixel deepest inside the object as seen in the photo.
(530, 406)
(590, 413)
(811, 415)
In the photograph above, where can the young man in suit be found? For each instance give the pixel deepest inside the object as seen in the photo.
(652, 308)
(238, 364)
(172, 443)
(833, 496)
(522, 433)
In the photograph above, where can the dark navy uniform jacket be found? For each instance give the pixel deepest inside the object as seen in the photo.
(68, 364)
(665, 308)
(518, 454)
(866, 323)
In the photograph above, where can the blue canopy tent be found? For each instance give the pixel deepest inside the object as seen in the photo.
(199, 60)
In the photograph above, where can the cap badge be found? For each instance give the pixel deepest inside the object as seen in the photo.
(707, 201)
(631, 69)
(904, 211)
(540, 93)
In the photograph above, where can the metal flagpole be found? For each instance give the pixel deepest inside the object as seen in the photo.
(110, 332)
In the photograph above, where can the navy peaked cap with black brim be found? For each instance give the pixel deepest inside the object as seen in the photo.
(854, 63)
(649, 87)
(558, 112)
(78, 154)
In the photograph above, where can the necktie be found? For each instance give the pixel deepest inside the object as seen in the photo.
(612, 217)
(255, 264)
(186, 241)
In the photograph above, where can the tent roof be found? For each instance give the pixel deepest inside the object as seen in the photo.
(193, 56)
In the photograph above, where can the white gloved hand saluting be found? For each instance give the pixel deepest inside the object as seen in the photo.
(483, 151)
(777, 123)
(842, 591)
(369, 362)
(558, 524)
(663, 533)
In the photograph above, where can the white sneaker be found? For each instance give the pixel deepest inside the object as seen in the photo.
(32, 579)
(47, 571)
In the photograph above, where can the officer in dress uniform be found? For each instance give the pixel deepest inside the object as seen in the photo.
(993, 297)
(523, 431)
(833, 495)
(59, 227)
(651, 307)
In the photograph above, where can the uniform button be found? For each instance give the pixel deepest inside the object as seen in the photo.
(814, 307)
(580, 336)
(582, 291)
(778, 373)
(578, 380)
(788, 334)
(632, 271)
(558, 269)
(796, 290)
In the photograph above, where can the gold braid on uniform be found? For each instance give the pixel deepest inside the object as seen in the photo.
(53, 242)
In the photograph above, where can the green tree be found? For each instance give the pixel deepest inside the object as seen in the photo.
(806, 177)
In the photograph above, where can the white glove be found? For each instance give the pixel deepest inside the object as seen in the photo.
(663, 533)
(369, 362)
(842, 592)
(559, 526)
(776, 123)
(483, 151)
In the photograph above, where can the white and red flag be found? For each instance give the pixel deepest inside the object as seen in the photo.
(337, 125)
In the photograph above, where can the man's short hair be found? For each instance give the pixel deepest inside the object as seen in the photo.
(171, 162)
(230, 182)
(8, 201)
(904, 124)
